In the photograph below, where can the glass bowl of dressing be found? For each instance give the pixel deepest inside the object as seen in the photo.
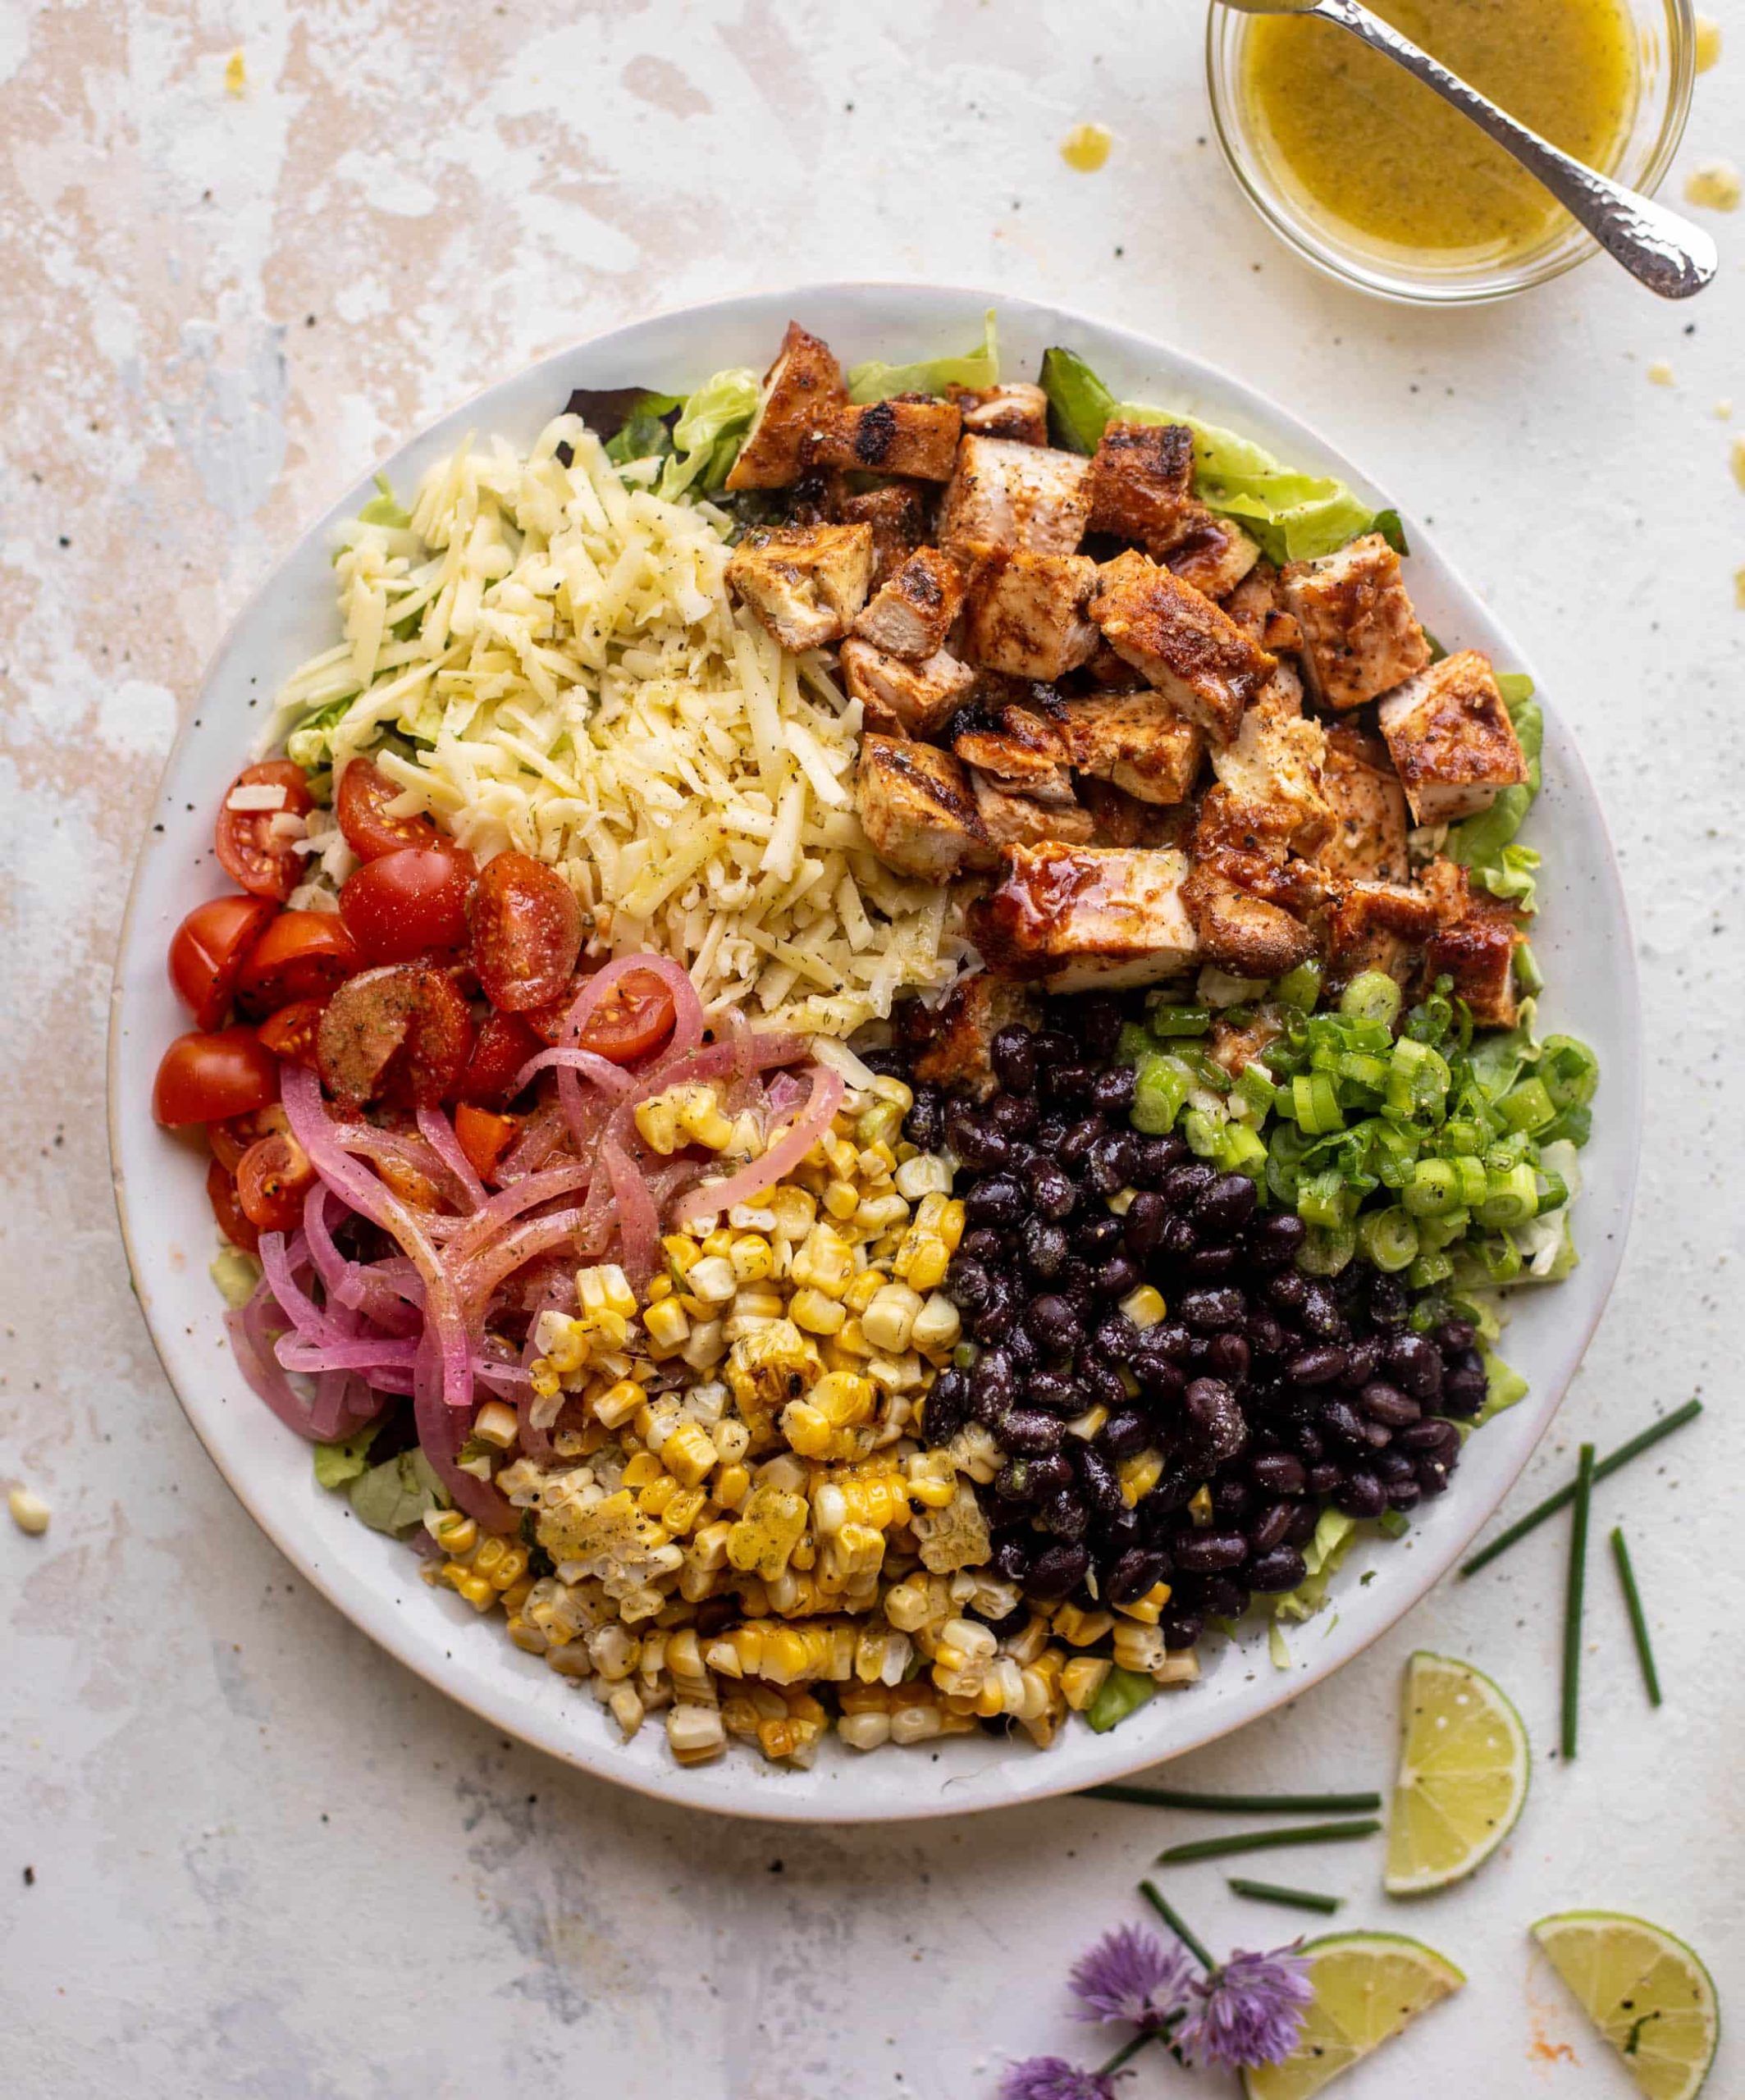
(1367, 174)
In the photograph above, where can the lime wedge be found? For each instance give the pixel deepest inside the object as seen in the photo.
(1646, 1992)
(1368, 1987)
(1464, 1763)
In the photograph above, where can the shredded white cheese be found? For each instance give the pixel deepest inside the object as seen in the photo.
(560, 645)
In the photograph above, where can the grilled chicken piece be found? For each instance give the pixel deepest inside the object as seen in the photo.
(1007, 494)
(1452, 739)
(958, 1033)
(1137, 741)
(1024, 614)
(1244, 933)
(1109, 673)
(897, 514)
(901, 699)
(1009, 820)
(1375, 925)
(1360, 635)
(910, 433)
(1018, 748)
(1142, 481)
(1123, 820)
(1249, 899)
(1083, 915)
(1208, 551)
(1183, 644)
(1256, 606)
(1475, 942)
(800, 390)
(1368, 840)
(917, 811)
(911, 615)
(1272, 772)
(805, 582)
(1019, 411)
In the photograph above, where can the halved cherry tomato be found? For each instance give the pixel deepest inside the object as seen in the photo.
(221, 1193)
(635, 1017)
(409, 903)
(290, 1033)
(484, 1138)
(231, 1138)
(204, 1078)
(208, 949)
(547, 1021)
(527, 932)
(364, 791)
(272, 1178)
(400, 1034)
(248, 851)
(505, 1043)
(302, 955)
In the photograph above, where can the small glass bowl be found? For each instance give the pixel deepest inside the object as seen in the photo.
(1666, 40)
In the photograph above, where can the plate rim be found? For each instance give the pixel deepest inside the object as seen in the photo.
(1027, 1774)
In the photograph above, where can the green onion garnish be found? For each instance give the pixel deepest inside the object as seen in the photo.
(1264, 1841)
(1296, 1899)
(1606, 1468)
(1153, 1896)
(1651, 1677)
(1238, 1804)
(1573, 1593)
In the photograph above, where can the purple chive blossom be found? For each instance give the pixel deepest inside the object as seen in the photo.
(1130, 1975)
(1248, 2011)
(1053, 2078)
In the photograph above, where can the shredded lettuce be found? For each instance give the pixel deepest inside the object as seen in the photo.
(310, 744)
(1334, 1534)
(1483, 844)
(1504, 1386)
(1277, 1648)
(645, 433)
(975, 369)
(336, 1463)
(384, 509)
(393, 1496)
(709, 432)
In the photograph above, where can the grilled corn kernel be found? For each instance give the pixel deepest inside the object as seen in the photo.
(1138, 1647)
(689, 1454)
(937, 1327)
(732, 1440)
(881, 1500)
(932, 1479)
(643, 1470)
(730, 1487)
(683, 1511)
(604, 1288)
(1139, 1475)
(864, 1290)
(763, 1541)
(887, 1321)
(1082, 1628)
(877, 1214)
(496, 1424)
(694, 1732)
(667, 1324)
(865, 1731)
(842, 1199)
(542, 1375)
(823, 1261)
(1200, 1508)
(1149, 1609)
(1144, 1307)
(753, 1257)
(618, 1403)
(456, 1534)
(925, 1175)
(681, 1251)
(814, 1311)
(712, 1280)
(795, 1210)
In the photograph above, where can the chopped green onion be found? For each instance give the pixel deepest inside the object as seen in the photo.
(1393, 1523)
(1570, 1071)
(1238, 1804)
(1639, 1619)
(1556, 1193)
(1460, 1135)
(1528, 977)
(1120, 1693)
(1160, 1087)
(1322, 1198)
(1300, 987)
(1265, 1841)
(1527, 1106)
(1363, 1070)
(1372, 995)
(1514, 1198)
(1240, 1150)
(1293, 1899)
(1203, 1132)
(1315, 1104)
(1500, 1257)
(1179, 1020)
(1572, 1598)
(1434, 1188)
(1389, 1237)
(1133, 1042)
(1428, 1270)
(1475, 1184)
(1255, 1088)
(1327, 1250)
(1434, 1233)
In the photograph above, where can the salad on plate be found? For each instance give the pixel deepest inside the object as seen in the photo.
(873, 1065)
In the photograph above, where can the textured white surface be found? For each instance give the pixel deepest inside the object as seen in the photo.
(267, 1860)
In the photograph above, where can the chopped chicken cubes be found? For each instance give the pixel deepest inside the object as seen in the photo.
(801, 390)
(1376, 925)
(1009, 820)
(1017, 747)
(897, 514)
(1079, 916)
(1272, 772)
(1452, 742)
(1208, 551)
(1142, 481)
(1137, 741)
(1360, 635)
(1019, 411)
(1181, 642)
(908, 435)
(1026, 612)
(805, 582)
(903, 699)
(1474, 943)
(1368, 840)
(917, 810)
(1004, 493)
(912, 612)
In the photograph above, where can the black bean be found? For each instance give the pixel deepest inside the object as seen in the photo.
(1097, 1236)
(1266, 1336)
(1319, 1314)
(1288, 1289)
(1156, 1156)
(1210, 1311)
(1044, 1246)
(1212, 1264)
(1015, 1115)
(1182, 1185)
(1065, 1515)
(1230, 1498)
(1053, 1046)
(1024, 1353)
(1142, 1228)
(1454, 1335)
(1439, 1439)
(1225, 1203)
(1055, 1321)
(1031, 1429)
(1056, 1570)
(1069, 1083)
(982, 1244)
(1210, 1553)
(1277, 1472)
(1360, 1495)
(1116, 1534)
(1392, 1467)
(947, 1406)
(1159, 1378)
(1074, 1282)
(1052, 1193)
(967, 1284)
(1181, 1629)
(1136, 1571)
(1113, 1090)
(1074, 1148)
(1056, 1391)
(1306, 1439)
(1222, 1596)
(1385, 1403)
(1362, 1357)
(1324, 1476)
(1180, 1237)
(1012, 1052)
(1269, 1528)
(924, 1124)
(1464, 1393)
(1305, 1517)
(1315, 1367)
(1116, 1277)
(1126, 1431)
(1389, 1303)
(1405, 1495)
(1280, 1568)
(1013, 1482)
(1227, 1358)
(1215, 1421)
(1109, 1164)
(995, 1200)
(1432, 1475)
(1101, 1482)
(1273, 1240)
(1103, 1383)
(1416, 1364)
(1116, 1339)
(997, 1323)
(1095, 1019)
(993, 1378)
(1010, 1560)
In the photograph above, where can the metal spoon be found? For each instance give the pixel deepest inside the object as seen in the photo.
(1666, 253)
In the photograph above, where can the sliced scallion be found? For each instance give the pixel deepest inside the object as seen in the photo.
(1371, 995)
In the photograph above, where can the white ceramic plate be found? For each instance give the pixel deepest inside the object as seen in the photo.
(1583, 939)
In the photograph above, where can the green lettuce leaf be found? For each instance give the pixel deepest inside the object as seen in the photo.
(975, 369)
(1499, 1056)
(393, 1496)
(1505, 1387)
(644, 433)
(310, 744)
(1080, 405)
(336, 1463)
(1479, 843)
(708, 435)
(1334, 1534)
(384, 509)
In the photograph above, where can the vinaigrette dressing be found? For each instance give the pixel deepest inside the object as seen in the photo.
(1360, 142)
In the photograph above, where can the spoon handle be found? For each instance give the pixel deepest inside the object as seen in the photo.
(1662, 250)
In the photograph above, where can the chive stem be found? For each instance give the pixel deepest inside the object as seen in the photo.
(1294, 1899)
(1128, 2049)
(1264, 1841)
(1572, 1598)
(1565, 1495)
(1237, 1804)
(1178, 1926)
(1651, 1677)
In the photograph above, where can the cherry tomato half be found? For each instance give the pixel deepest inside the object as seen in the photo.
(231, 1138)
(635, 1017)
(364, 791)
(505, 1043)
(272, 1178)
(207, 949)
(400, 1034)
(204, 1078)
(290, 1033)
(527, 932)
(409, 903)
(221, 1193)
(302, 955)
(248, 851)
(484, 1138)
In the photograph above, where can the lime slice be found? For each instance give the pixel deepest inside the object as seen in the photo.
(1646, 1992)
(1463, 1763)
(1368, 1987)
